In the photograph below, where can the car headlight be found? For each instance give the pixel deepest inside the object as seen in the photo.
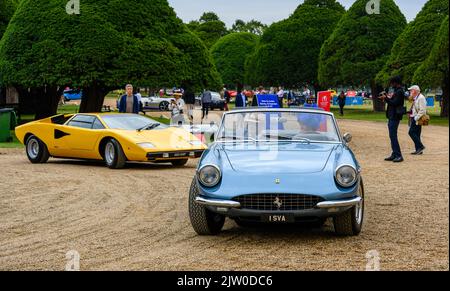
(346, 176)
(146, 145)
(209, 175)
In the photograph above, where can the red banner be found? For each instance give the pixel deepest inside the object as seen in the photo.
(324, 100)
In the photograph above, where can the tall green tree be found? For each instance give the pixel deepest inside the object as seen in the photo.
(414, 44)
(288, 52)
(359, 47)
(209, 28)
(229, 55)
(110, 43)
(7, 8)
(433, 72)
(253, 26)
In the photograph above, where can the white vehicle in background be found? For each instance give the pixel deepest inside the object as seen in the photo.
(158, 103)
(204, 132)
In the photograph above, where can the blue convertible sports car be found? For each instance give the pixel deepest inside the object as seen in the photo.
(278, 166)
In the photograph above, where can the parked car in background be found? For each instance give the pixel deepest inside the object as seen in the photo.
(278, 166)
(217, 101)
(158, 103)
(72, 94)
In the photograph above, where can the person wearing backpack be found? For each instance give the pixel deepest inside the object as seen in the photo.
(418, 117)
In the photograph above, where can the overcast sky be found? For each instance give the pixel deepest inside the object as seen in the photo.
(266, 11)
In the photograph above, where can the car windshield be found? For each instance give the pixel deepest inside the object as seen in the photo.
(279, 126)
(130, 122)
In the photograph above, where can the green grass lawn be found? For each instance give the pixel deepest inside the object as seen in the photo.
(9, 145)
(366, 113)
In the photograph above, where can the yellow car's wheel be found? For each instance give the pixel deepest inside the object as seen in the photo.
(37, 151)
(113, 155)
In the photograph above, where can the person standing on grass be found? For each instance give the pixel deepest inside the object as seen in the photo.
(280, 95)
(177, 109)
(227, 98)
(129, 102)
(206, 103)
(241, 99)
(394, 113)
(189, 100)
(341, 102)
(418, 110)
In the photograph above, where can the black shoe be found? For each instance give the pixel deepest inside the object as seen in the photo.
(390, 159)
(418, 152)
(398, 160)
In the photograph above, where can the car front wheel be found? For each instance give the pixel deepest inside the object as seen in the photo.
(113, 155)
(350, 222)
(203, 220)
(37, 151)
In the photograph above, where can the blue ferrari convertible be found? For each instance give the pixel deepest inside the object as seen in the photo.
(278, 166)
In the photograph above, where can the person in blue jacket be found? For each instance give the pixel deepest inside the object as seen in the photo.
(129, 103)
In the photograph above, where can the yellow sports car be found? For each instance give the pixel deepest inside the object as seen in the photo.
(114, 138)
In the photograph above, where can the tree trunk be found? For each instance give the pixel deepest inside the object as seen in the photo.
(445, 97)
(93, 98)
(47, 100)
(378, 104)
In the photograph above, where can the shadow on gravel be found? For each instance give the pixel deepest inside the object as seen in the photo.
(298, 231)
(129, 166)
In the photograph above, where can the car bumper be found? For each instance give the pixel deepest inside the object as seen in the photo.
(232, 208)
(159, 156)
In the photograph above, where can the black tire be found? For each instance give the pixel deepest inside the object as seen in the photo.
(347, 223)
(37, 151)
(113, 155)
(164, 106)
(203, 220)
(179, 163)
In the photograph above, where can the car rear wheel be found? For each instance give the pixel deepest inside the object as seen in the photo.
(37, 151)
(164, 106)
(350, 222)
(179, 163)
(113, 155)
(203, 220)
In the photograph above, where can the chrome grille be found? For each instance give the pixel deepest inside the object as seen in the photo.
(278, 202)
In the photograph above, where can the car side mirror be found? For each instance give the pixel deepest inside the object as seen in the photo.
(347, 137)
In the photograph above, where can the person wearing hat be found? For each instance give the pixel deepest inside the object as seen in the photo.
(177, 108)
(394, 113)
(418, 110)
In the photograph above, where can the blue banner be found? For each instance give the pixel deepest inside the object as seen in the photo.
(268, 101)
(350, 101)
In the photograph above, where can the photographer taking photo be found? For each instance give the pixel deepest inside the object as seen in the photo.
(394, 113)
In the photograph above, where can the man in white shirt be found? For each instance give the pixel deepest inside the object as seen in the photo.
(418, 110)
(280, 95)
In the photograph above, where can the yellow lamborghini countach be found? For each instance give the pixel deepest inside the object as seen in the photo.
(114, 138)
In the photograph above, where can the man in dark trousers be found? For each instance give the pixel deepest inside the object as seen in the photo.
(189, 100)
(241, 99)
(394, 113)
(342, 99)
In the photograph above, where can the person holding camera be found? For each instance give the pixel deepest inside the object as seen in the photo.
(394, 113)
(176, 106)
(417, 113)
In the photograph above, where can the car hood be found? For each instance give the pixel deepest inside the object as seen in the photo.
(169, 138)
(278, 158)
